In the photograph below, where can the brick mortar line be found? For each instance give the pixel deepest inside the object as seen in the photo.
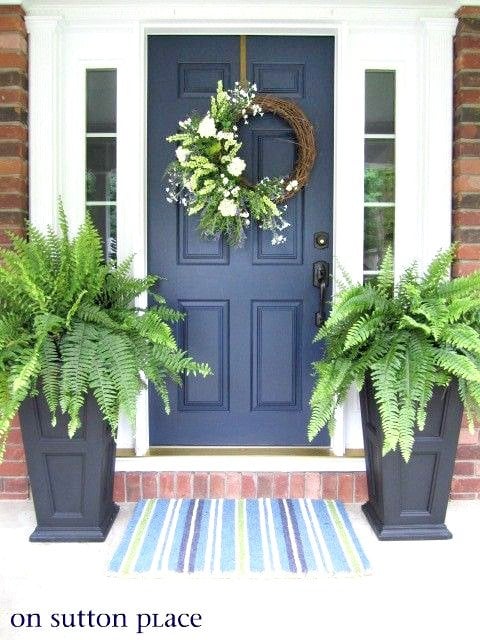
(475, 262)
(17, 70)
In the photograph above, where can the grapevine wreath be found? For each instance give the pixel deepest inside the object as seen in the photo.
(206, 176)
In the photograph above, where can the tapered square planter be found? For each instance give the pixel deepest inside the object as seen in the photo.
(71, 479)
(408, 501)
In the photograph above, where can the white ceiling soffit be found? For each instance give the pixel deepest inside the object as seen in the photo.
(264, 9)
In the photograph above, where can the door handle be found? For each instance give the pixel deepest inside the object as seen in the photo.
(320, 280)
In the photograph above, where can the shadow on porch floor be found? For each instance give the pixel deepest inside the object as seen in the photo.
(416, 587)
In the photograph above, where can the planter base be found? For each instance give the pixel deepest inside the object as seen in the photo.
(406, 531)
(76, 534)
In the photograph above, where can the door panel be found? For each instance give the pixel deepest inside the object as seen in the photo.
(250, 310)
(283, 358)
(205, 331)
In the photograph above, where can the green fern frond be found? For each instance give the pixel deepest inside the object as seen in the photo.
(50, 375)
(386, 276)
(361, 331)
(438, 271)
(457, 364)
(463, 337)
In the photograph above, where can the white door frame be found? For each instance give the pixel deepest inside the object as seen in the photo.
(416, 44)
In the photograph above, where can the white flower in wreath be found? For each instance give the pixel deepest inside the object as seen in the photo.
(206, 128)
(236, 167)
(228, 208)
(225, 135)
(182, 154)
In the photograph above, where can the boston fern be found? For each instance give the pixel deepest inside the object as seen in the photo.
(68, 325)
(409, 337)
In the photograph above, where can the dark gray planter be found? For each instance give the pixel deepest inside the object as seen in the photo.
(71, 479)
(409, 501)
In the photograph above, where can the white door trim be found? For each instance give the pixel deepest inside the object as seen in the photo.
(68, 40)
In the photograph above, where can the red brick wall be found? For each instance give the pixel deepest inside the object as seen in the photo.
(466, 205)
(13, 190)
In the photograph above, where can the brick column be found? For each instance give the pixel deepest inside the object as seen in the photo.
(13, 190)
(466, 205)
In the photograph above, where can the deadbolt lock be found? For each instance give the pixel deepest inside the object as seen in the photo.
(320, 240)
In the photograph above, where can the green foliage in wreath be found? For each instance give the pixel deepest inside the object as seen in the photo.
(409, 337)
(68, 324)
(207, 178)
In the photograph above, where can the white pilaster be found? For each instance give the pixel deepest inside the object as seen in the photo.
(437, 100)
(44, 33)
(348, 191)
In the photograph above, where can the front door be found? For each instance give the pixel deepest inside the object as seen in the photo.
(250, 312)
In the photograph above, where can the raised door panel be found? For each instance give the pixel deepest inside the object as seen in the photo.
(283, 79)
(273, 154)
(199, 79)
(192, 248)
(205, 335)
(276, 355)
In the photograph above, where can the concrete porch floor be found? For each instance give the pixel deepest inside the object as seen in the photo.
(417, 589)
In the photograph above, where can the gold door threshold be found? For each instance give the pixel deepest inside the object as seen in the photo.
(241, 451)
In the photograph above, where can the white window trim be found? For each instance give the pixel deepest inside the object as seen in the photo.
(65, 40)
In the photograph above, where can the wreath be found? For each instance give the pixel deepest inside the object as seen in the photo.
(207, 175)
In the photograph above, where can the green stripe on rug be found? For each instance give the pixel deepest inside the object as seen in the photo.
(139, 536)
(344, 536)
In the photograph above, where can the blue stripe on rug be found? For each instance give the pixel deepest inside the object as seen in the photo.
(277, 537)
(257, 564)
(308, 554)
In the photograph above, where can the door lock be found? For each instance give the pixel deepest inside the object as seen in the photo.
(320, 240)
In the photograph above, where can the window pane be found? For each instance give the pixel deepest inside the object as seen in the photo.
(379, 171)
(101, 101)
(378, 235)
(380, 102)
(105, 220)
(101, 182)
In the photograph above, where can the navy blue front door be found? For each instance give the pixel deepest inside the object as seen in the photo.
(250, 312)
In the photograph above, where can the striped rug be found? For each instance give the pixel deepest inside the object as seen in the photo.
(268, 537)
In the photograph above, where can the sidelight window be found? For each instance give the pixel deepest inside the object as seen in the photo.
(379, 168)
(101, 154)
